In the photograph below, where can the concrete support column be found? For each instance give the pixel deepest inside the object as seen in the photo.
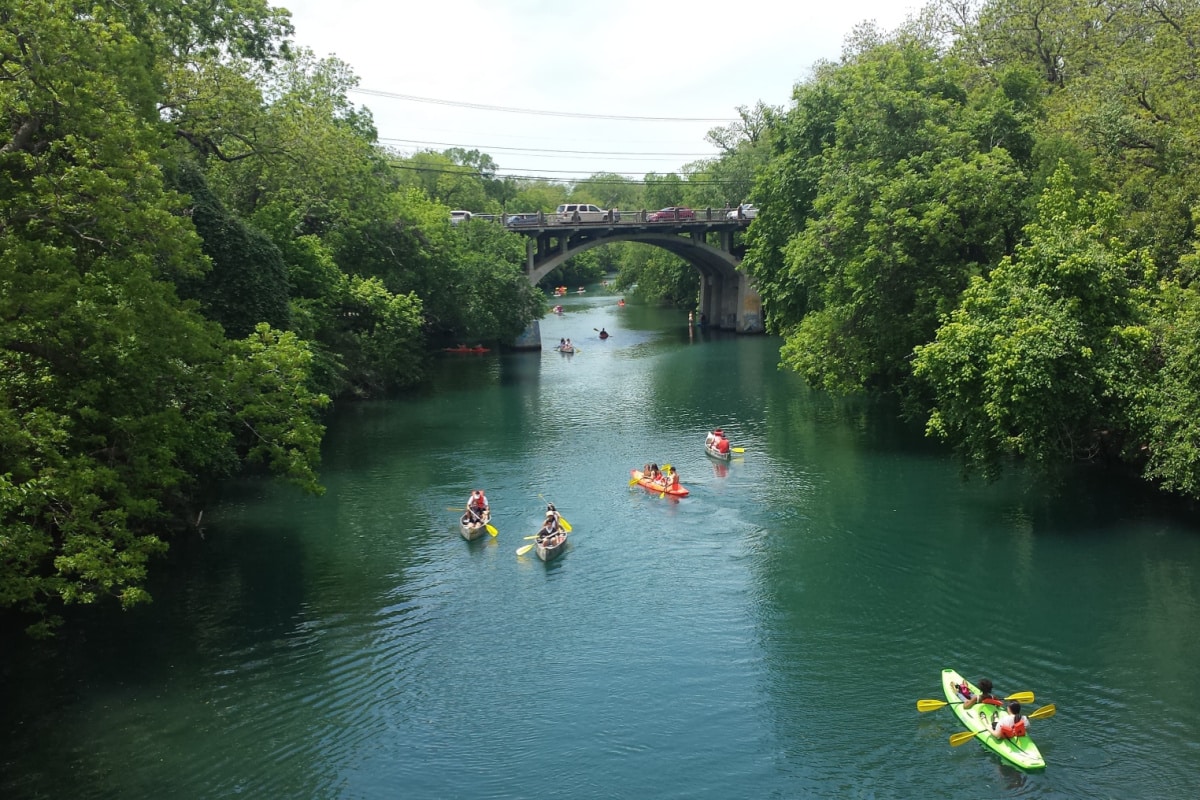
(749, 318)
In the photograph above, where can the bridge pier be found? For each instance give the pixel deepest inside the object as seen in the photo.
(730, 302)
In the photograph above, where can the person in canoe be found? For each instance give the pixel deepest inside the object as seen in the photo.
(477, 506)
(562, 343)
(985, 694)
(717, 441)
(1011, 723)
(603, 333)
(551, 528)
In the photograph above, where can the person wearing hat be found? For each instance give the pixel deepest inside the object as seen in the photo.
(551, 525)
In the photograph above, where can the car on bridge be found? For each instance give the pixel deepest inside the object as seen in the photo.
(522, 219)
(582, 212)
(672, 214)
(459, 216)
(744, 211)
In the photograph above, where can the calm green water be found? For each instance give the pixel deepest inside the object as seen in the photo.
(766, 637)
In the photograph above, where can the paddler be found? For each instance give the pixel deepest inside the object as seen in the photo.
(985, 694)
(1010, 724)
(477, 505)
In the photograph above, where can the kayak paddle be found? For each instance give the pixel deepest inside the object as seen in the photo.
(966, 736)
(934, 705)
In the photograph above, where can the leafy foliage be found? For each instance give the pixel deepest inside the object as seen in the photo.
(1035, 362)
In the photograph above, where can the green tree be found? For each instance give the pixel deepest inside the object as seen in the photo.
(915, 194)
(247, 282)
(117, 397)
(1038, 360)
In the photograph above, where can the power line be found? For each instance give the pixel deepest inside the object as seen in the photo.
(468, 171)
(547, 150)
(537, 112)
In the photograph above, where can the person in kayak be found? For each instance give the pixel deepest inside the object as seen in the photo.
(985, 694)
(1010, 724)
(603, 333)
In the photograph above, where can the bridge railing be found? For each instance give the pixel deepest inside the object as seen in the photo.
(542, 219)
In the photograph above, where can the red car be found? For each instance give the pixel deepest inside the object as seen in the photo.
(671, 214)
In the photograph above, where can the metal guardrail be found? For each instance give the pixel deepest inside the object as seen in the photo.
(542, 219)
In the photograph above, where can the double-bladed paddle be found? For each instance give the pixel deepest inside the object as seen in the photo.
(966, 736)
(934, 705)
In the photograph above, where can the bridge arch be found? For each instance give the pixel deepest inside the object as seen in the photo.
(728, 299)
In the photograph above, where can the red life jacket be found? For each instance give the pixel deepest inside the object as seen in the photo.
(722, 445)
(991, 701)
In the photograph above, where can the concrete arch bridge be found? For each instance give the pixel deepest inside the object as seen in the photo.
(728, 299)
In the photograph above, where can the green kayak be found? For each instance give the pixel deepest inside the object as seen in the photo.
(1020, 752)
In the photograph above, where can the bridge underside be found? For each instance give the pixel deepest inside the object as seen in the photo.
(728, 299)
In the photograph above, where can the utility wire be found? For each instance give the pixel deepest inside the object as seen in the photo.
(547, 150)
(469, 171)
(537, 112)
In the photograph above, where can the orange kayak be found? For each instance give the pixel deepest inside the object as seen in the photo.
(674, 491)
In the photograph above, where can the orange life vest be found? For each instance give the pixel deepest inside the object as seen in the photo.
(1011, 730)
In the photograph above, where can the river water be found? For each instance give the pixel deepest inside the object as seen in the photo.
(766, 637)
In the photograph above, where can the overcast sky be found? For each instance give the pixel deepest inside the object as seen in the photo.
(696, 60)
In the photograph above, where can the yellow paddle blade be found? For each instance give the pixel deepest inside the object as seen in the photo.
(523, 550)
(460, 510)
(966, 736)
(633, 481)
(491, 530)
(662, 495)
(1044, 711)
(527, 538)
(738, 449)
(961, 738)
(934, 705)
(566, 526)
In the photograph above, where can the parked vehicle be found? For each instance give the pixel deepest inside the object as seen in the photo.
(459, 216)
(744, 211)
(522, 219)
(671, 214)
(582, 212)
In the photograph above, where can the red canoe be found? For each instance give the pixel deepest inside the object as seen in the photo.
(674, 491)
